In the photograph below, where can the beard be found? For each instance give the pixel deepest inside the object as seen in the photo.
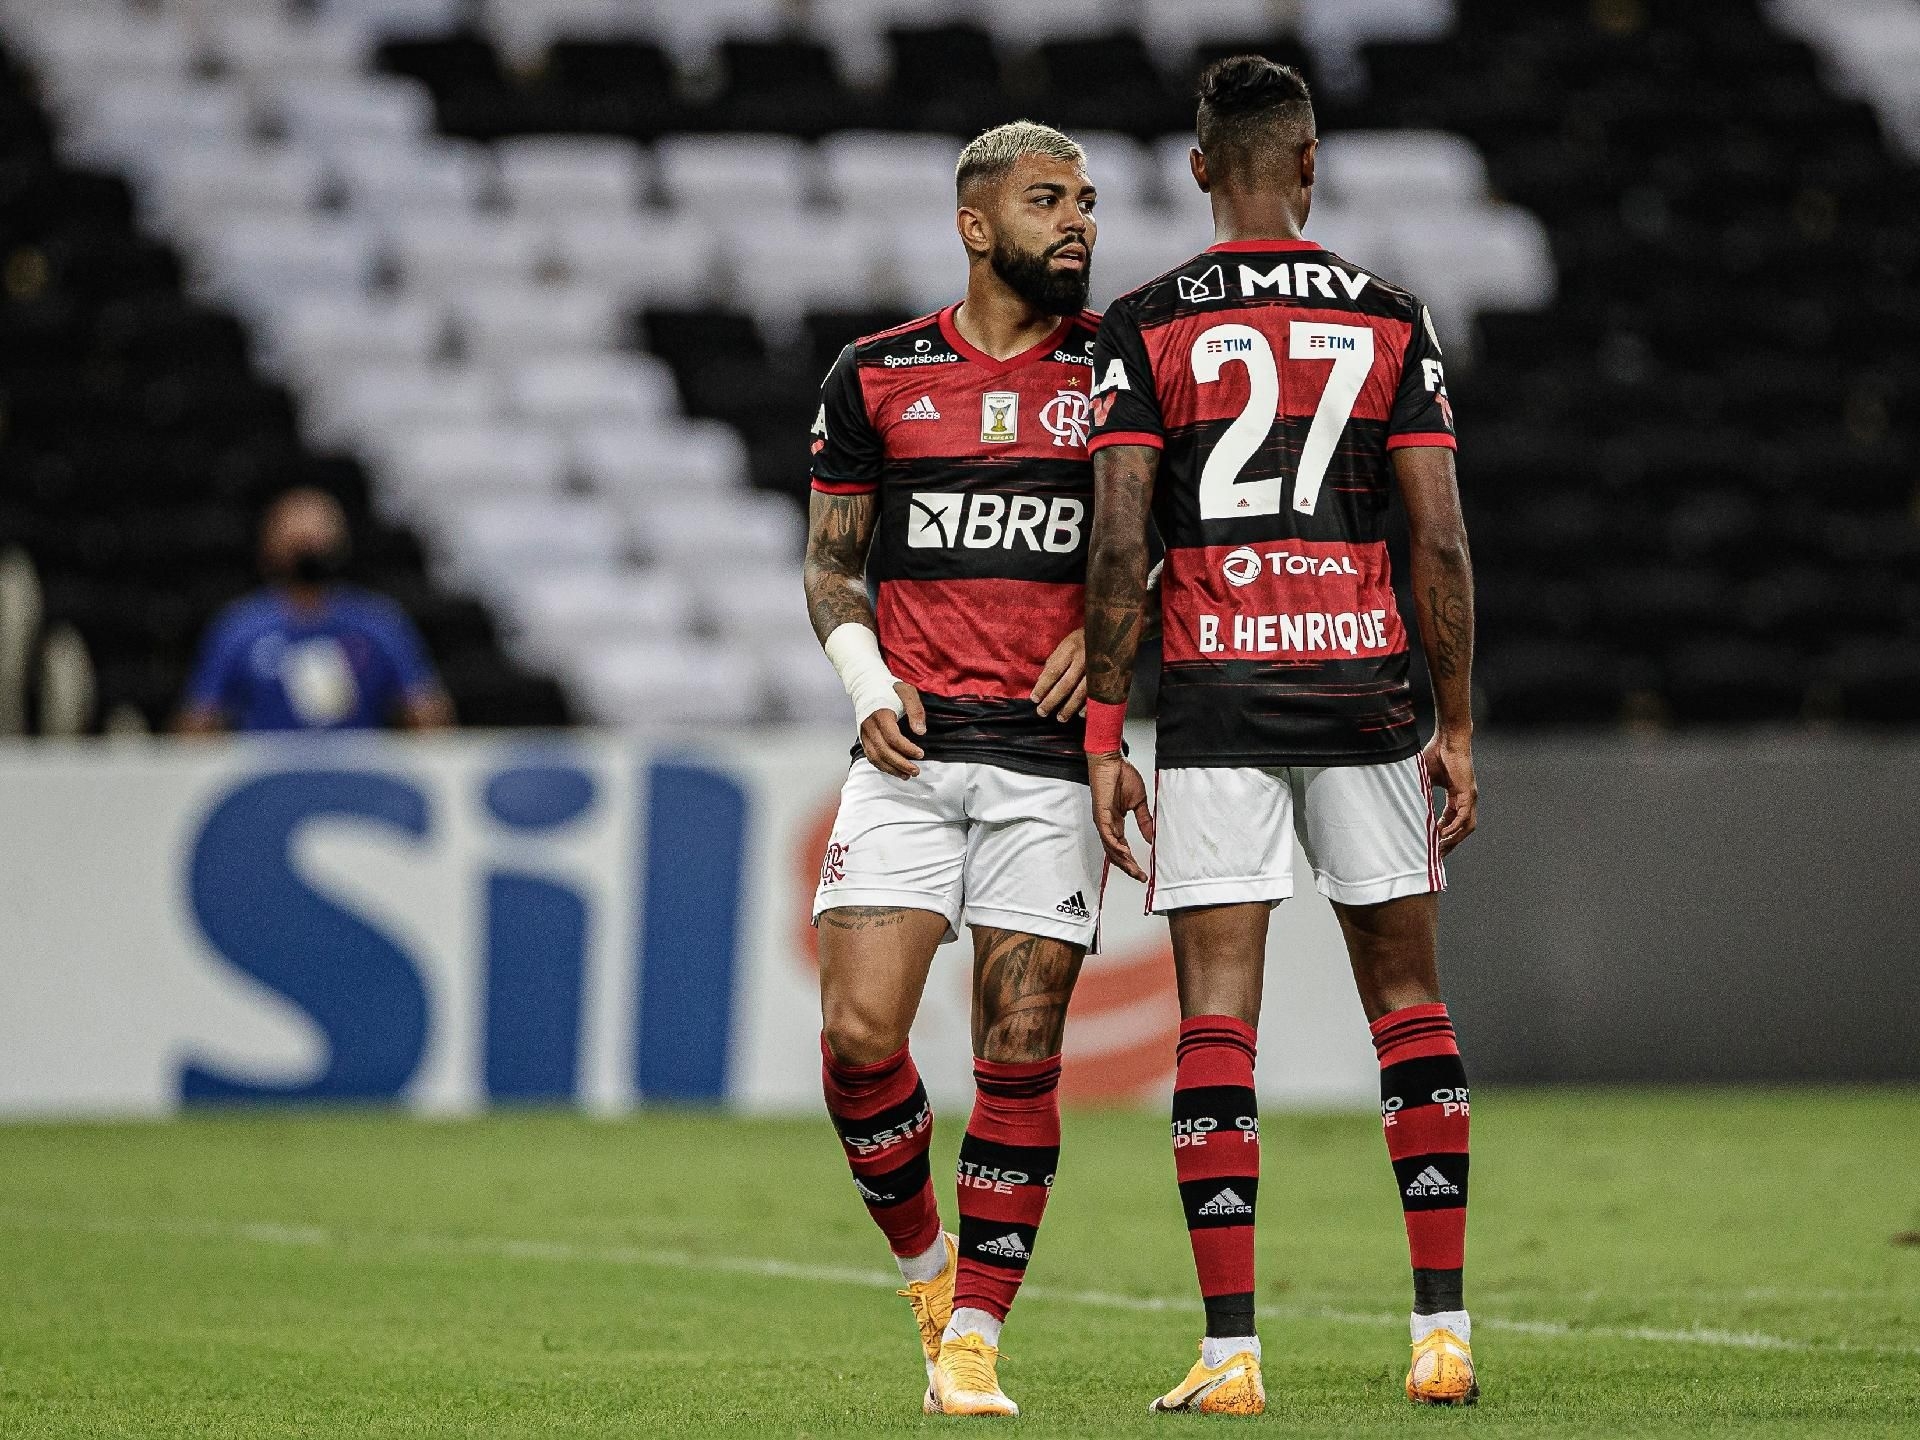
(1033, 278)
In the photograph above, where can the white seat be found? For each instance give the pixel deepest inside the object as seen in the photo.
(1335, 32)
(1400, 169)
(265, 44)
(490, 545)
(922, 265)
(441, 465)
(651, 256)
(525, 28)
(748, 528)
(856, 30)
(374, 404)
(670, 683)
(1178, 193)
(1135, 246)
(322, 335)
(197, 185)
(104, 45)
(580, 388)
(734, 174)
(876, 173)
(1362, 236)
(1464, 261)
(786, 264)
(692, 31)
(264, 264)
(1177, 27)
(511, 323)
(1120, 169)
(1020, 24)
(743, 602)
(382, 178)
(576, 612)
(395, 18)
(446, 254)
(137, 120)
(329, 112)
(802, 679)
(544, 175)
(661, 460)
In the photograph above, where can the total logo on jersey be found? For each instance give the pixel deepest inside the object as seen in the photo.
(984, 521)
(1243, 566)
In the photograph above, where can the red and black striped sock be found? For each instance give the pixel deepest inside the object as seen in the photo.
(1423, 1107)
(1007, 1161)
(1216, 1158)
(885, 1123)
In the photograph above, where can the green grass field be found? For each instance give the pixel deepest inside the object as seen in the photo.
(1648, 1264)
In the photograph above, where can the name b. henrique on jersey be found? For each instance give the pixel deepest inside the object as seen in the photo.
(1275, 378)
(979, 555)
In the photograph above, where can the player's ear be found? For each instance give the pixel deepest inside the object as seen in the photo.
(975, 233)
(1308, 154)
(1197, 163)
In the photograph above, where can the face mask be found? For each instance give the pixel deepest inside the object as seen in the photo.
(318, 567)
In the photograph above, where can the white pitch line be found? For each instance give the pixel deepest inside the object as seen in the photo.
(568, 1252)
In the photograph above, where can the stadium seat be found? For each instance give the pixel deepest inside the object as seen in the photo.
(580, 388)
(1120, 168)
(1400, 169)
(261, 264)
(649, 257)
(500, 324)
(193, 186)
(267, 46)
(784, 265)
(486, 545)
(747, 175)
(657, 462)
(374, 403)
(330, 112)
(945, 78)
(322, 335)
(383, 179)
(577, 176)
(432, 469)
(878, 174)
(137, 122)
(1023, 26)
(670, 682)
(445, 254)
(397, 17)
(692, 535)
(788, 84)
(560, 617)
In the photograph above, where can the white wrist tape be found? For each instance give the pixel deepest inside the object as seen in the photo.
(855, 653)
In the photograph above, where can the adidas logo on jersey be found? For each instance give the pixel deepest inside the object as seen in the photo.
(1007, 1247)
(1074, 907)
(1227, 1202)
(921, 409)
(1431, 1182)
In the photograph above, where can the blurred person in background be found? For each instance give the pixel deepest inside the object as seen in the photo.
(308, 652)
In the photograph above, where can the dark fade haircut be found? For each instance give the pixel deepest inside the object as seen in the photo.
(1255, 117)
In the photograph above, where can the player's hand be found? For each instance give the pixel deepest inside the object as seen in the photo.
(1450, 766)
(886, 745)
(1062, 688)
(1117, 790)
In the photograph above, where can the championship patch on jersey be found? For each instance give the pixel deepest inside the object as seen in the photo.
(999, 417)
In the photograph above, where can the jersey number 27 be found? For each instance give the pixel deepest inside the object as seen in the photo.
(1223, 494)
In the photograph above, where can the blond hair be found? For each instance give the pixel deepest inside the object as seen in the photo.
(992, 153)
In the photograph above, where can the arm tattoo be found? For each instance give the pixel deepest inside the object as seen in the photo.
(1452, 631)
(839, 531)
(1117, 568)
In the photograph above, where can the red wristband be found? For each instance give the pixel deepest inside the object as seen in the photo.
(1105, 723)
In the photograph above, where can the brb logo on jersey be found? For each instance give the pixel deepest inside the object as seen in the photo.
(1065, 417)
(994, 522)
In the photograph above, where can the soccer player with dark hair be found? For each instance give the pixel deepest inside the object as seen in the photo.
(950, 472)
(1260, 403)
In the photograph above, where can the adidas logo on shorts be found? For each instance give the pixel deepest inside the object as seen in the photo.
(1074, 907)
(1431, 1182)
(1007, 1247)
(1227, 1202)
(921, 409)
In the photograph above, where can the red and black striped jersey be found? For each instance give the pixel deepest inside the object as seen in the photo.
(979, 556)
(1275, 377)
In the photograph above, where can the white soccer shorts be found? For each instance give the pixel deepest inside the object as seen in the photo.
(976, 843)
(1225, 836)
